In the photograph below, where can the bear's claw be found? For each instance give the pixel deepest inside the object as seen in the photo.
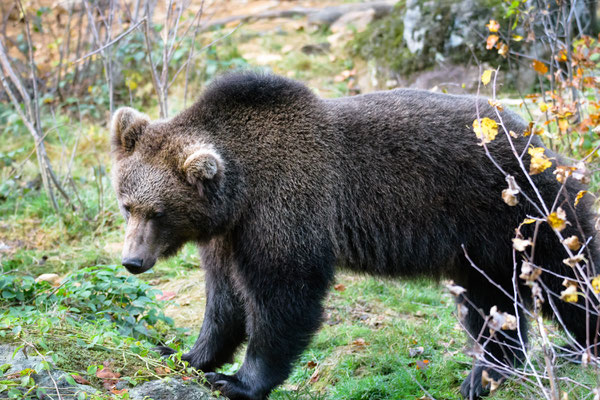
(231, 387)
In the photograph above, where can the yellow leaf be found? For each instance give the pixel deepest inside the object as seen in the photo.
(486, 130)
(579, 196)
(491, 41)
(543, 106)
(570, 294)
(557, 219)
(517, 38)
(563, 124)
(539, 161)
(596, 284)
(540, 67)
(493, 25)
(528, 221)
(486, 77)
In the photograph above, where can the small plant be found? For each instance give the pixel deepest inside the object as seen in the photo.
(91, 294)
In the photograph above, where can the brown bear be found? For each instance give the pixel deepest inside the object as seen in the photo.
(278, 187)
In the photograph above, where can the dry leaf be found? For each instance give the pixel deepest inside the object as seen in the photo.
(455, 290)
(416, 351)
(570, 294)
(558, 219)
(573, 261)
(166, 295)
(529, 272)
(360, 342)
(493, 25)
(503, 49)
(495, 104)
(572, 243)
(340, 287)
(491, 41)
(562, 172)
(521, 244)
(80, 379)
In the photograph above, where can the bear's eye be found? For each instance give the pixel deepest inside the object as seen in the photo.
(127, 208)
(157, 214)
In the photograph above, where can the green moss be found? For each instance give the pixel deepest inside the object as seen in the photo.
(384, 41)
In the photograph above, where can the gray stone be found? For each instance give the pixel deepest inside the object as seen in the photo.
(170, 389)
(50, 380)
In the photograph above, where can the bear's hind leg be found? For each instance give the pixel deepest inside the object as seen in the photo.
(503, 350)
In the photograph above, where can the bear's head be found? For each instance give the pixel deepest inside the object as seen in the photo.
(169, 185)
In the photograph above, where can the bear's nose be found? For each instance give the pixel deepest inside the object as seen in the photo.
(133, 265)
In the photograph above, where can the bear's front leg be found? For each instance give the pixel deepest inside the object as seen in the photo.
(223, 327)
(283, 314)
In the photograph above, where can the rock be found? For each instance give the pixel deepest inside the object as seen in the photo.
(328, 15)
(22, 361)
(319, 48)
(52, 279)
(414, 31)
(170, 389)
(357, 20)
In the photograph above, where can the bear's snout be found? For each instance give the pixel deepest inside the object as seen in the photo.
(134, 265)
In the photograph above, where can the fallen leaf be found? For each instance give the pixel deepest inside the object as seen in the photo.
(166, 296)
(416, 351)
(340, 287)
(311, 364)
(162, 370)
(80, 379)
(117, 391)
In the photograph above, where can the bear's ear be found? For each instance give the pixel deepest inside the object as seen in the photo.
(201, 166)
(126, 127)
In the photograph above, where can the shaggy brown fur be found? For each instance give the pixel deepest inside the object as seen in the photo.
(277, 186)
